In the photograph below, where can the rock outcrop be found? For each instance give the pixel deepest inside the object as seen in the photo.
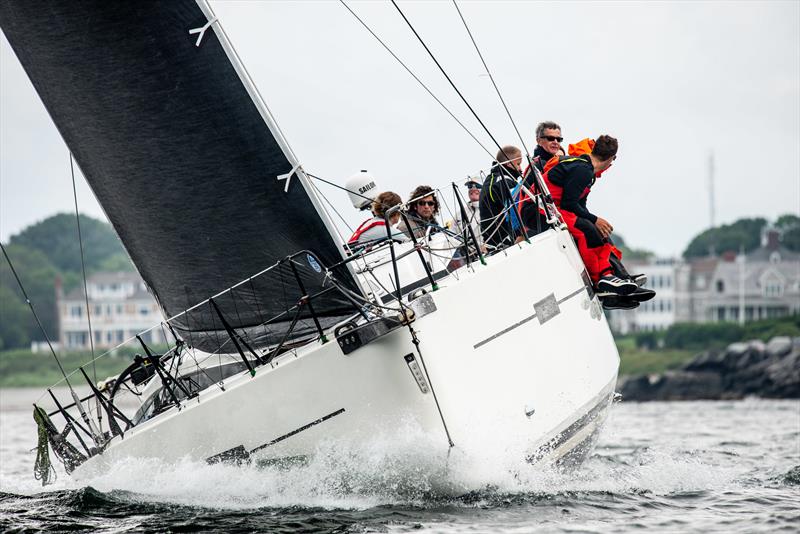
(751, 368)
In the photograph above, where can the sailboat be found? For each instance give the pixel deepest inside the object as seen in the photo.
(280, 335)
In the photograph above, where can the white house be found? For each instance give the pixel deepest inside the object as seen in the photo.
(656, 314)
(120, 308)
(762, 284)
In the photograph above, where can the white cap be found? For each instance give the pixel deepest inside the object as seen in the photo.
(477, 178)
(361, 185)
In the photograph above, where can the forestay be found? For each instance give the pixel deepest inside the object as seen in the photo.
(177, 153)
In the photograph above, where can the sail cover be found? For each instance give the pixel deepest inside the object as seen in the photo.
(179, 157)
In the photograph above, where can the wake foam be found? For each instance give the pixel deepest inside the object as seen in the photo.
(408, 468)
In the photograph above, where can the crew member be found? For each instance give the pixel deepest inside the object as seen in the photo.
(422, 210)
(472, 209)
(548, 144)
(570, 179)
(495, 201)
(374, 229)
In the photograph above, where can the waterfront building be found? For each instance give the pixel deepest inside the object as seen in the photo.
(762, 284)
(656, 314)
(120, 308)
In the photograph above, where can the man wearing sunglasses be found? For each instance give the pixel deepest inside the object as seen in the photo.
(548, 143)
(422, 209)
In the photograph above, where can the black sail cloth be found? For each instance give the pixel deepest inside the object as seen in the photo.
(179, 157)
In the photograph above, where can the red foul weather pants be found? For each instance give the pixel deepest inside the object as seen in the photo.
(594, 250)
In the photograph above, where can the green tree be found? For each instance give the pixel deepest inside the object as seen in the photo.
(789, 225)
(14, 316)
(38, 275)
(629, 253)
(116, 263)
(57, 238)
(727, 238)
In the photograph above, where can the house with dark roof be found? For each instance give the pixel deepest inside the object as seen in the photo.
(762, 284)
(120, 307)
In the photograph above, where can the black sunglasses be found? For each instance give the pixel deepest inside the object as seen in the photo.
(474, 185)
(552, 138)
(426, 203)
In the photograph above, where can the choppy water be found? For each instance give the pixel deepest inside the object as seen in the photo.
(668, 467)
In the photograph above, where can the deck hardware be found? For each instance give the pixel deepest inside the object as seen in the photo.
(416, 372)
(547, 308)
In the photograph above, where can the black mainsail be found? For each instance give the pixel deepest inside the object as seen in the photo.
(180, 158)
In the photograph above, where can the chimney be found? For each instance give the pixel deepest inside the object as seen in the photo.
(773, 241)
(59, 288)
(729, 255)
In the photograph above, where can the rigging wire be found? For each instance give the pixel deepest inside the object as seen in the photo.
(417, 79)
(506, 157)
(453, 85)
(35, 315)
(83, 267)
(96, 435)
(332, 207)
(497, 89)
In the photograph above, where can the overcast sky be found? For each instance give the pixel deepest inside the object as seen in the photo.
(673, 81)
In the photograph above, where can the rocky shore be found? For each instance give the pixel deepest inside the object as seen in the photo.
(747, 369)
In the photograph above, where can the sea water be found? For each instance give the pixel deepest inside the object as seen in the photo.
(731, 466)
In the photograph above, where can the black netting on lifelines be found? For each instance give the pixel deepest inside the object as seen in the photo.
(249, 308)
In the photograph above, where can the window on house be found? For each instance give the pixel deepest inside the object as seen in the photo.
(75, 311)
(98, 310)
(76, 339)
(720, 286)
(773, 288)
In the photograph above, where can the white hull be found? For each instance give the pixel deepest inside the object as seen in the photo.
(510, 377)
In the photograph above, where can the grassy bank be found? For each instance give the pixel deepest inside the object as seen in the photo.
(656, 352)
(643, 353)
(22, 368)
(638, 361)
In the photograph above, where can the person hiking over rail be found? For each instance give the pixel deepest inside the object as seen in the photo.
(570, 179)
